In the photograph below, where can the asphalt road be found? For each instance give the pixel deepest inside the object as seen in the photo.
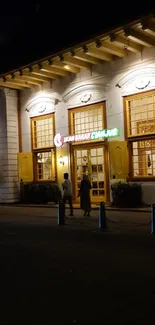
(75, 274)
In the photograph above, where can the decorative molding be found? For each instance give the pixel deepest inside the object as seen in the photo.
(41, 105)
(137, 80)
(85, 98)
(84, 93)
(142, 84)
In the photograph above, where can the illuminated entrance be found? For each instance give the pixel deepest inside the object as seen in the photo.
(90, 161)
(87, 140)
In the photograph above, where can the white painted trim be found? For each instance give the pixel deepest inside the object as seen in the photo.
(41, 104)
(137, 81)
(147, 72)
(84, 94)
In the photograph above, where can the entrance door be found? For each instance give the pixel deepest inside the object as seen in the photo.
(91, 162)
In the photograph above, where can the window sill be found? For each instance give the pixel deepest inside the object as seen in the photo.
(140, 137)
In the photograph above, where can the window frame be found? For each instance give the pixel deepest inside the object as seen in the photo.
(33, 119)
(51, 149)
(71, 111)
(135, 138)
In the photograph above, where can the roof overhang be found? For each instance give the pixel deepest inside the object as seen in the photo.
(116, 43)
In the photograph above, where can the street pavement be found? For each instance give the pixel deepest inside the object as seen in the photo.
(120, 221)
(76, 274)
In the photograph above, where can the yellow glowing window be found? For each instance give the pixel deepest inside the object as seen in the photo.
(143, 158)
(45, 165)
(43, 148)
(87, 119)
(141, 114)
(140, 118)
(43, 131)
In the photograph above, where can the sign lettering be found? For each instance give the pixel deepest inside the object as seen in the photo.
(60, 140)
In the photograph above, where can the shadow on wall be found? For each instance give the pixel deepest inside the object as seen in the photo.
(16, 187)
(1, 178)
(3, 136)
(3, 106)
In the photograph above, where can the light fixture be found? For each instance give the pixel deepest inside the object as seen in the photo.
(85, 49)
(40, 66)
(72, 53)
(50, 61)
(98, 43)
(20, 73)
(67, 67)
(30, 69)
(112, 37)
(12, 76)
(61, 160)
(61, 57)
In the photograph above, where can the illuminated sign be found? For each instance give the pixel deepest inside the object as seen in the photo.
(59, 140)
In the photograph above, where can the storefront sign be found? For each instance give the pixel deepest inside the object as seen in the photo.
(59, 140)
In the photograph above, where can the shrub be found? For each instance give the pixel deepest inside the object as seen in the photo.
(35, 193)
(127, 195)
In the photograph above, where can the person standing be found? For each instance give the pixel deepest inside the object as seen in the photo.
(67, 192)
(85, 202)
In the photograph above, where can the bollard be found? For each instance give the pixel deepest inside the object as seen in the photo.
(22, 198)
(61, 213)
(153, 219)
(102, 216)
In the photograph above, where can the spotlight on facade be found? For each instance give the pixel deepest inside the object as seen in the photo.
(67, 67)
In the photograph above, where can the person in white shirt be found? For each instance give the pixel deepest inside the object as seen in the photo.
(67, 192)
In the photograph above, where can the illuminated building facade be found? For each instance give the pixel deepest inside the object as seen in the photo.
(86, 110)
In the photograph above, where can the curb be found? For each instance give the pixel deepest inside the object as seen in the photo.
(129, 210)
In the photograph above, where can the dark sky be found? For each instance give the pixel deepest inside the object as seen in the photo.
(31, 30)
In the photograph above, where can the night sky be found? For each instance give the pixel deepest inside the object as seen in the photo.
(31, 30)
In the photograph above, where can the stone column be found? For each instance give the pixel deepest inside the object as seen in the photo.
(9, 186)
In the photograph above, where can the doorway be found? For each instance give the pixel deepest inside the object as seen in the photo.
(90, 161)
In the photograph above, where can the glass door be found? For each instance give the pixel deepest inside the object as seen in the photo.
(82, 166)
(90, 162)
(97, 175)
